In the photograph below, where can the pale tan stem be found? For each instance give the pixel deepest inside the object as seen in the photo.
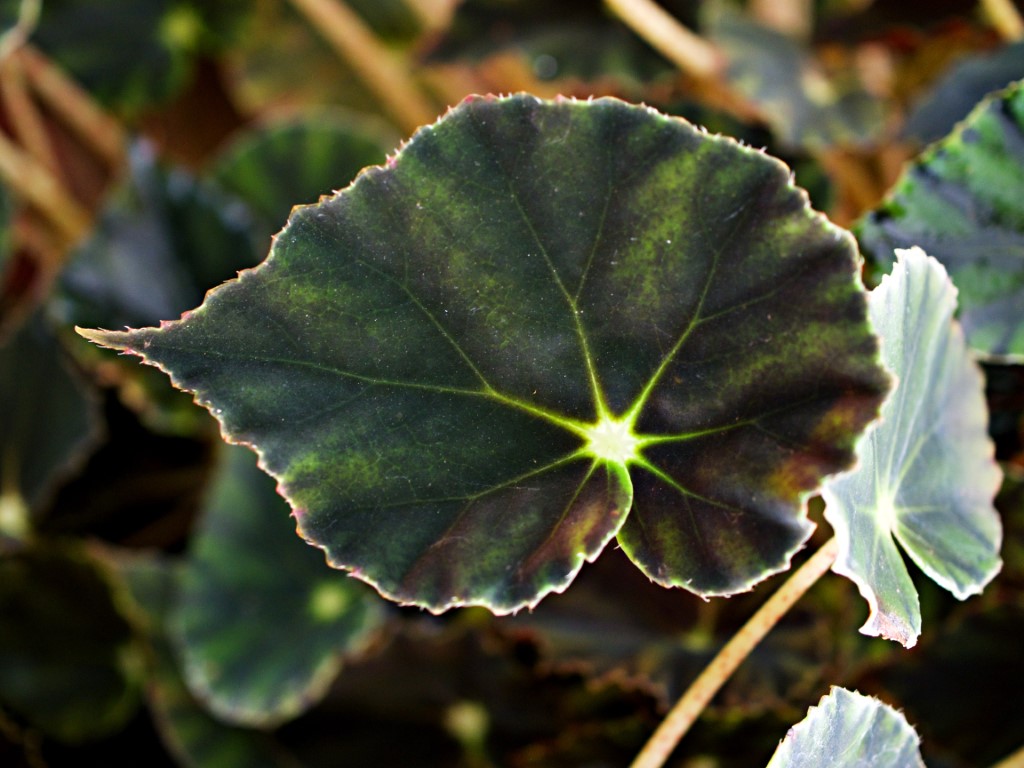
(691, 53)
(354, 42)
(1016, 760)
(1005, 18)
(433, 14)
(26, 122)
(76, 108)
(790, 17)
(703, 689)
(40, 189)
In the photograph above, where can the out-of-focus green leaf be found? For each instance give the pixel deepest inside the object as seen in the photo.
(849, 730)
(132, 54)
(293, 162)
(926, 477)
(191, 734)
(961, 202)
(956, 94)
(68, 662)
(49, 422)
(163, 240)
(468, 367)
(804, 105)
(250, 592)
(283, 59)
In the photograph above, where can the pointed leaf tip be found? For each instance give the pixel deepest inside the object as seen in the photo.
(425, 359)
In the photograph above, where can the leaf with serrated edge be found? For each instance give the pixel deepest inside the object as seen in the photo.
(927, 476)
(961, 202)
(236, 620)
(849, 730)
(469, 366)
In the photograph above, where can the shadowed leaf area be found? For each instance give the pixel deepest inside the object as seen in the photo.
(470, 366)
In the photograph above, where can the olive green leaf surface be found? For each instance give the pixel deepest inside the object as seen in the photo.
(150, 584)
(927, 477)
(248, 590)
(849, 730)
(467, 368)
(68, 662)
(961, 202)
(290, 162)
(50, 422)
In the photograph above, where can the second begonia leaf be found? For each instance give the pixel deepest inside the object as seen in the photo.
(542, 326)
(927, 476)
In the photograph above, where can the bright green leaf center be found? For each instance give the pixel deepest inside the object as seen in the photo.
(612, 440)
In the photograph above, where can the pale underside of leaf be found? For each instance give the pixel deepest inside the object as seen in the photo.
(927, 476)
(849, 730)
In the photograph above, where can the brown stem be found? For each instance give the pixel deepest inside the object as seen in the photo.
(30, 179)
(26, 123)
(702, 690)
(1016, 760)
(1005, 18)
(75, 107)
(433, 14)
(691, 53)
(353, 40)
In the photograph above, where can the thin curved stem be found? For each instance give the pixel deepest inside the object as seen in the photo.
(1005, 18)
(703, 689)
(1016, 760)
(355, 42)
(688, 51)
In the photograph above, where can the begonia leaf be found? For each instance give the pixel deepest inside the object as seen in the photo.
(927, 477)
(542, 326)
(191, 734)
(849, 730)
(237, 619)
(960, 201)
(295, 161)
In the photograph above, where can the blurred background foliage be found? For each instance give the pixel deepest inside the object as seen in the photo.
(155, 607)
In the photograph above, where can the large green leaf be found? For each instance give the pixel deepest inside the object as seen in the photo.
(468, 367)
(926, 477)
(238, 619)
(849, 730)
(961, 202)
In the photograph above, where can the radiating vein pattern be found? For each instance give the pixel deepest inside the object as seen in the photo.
(541, 326)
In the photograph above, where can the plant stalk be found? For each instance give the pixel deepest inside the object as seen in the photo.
(703, 689)
(26, 122)
(1016, 760)
(1005, 18)
(98, 131)
(354, 42)
(40, 188)
(691, 53)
